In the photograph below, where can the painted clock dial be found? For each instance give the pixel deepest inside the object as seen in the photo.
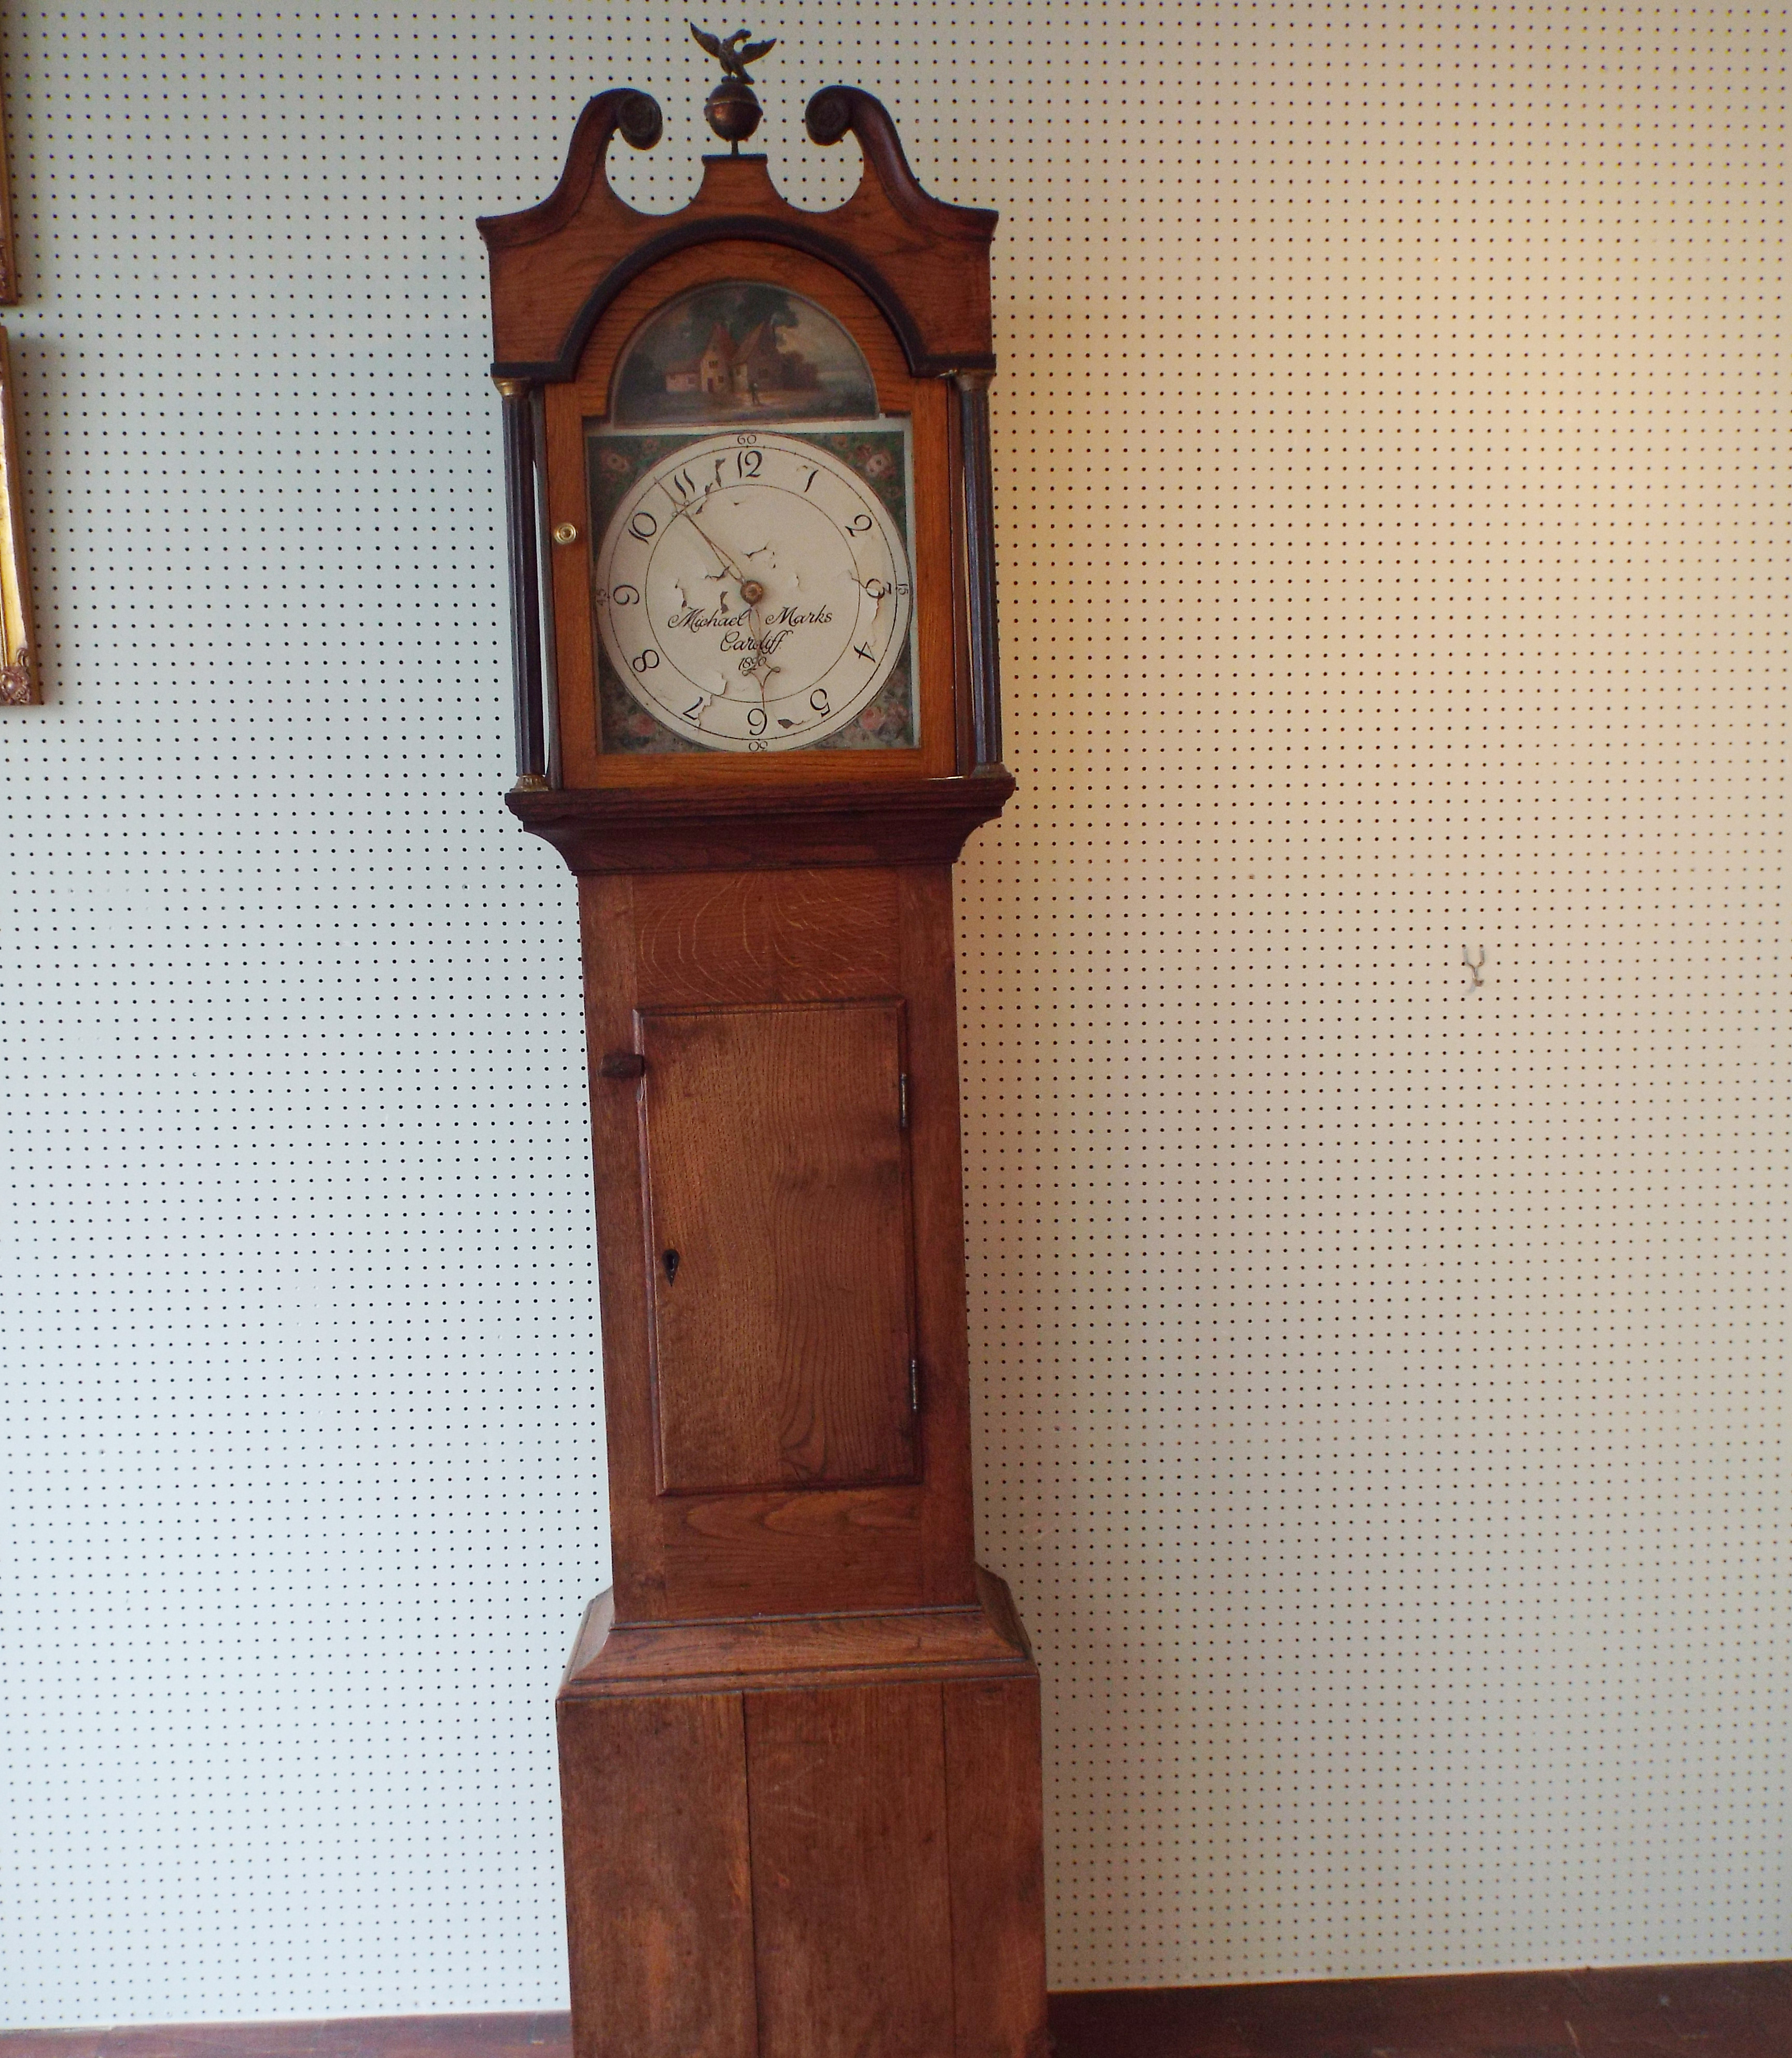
(753, 592)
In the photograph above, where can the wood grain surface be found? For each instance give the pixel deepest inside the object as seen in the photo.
(807, 1552)
(780, 1226)
(929, 984)
(998, 1867)
(851, 1894)
(797, 937)
(659, 1914)
(890, 1766)
(1725, 2011)
(1715, 2011)
(598, 832)
(984, 1642)
(558, 266)
(816, 936)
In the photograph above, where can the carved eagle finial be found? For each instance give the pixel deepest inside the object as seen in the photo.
(733, 53)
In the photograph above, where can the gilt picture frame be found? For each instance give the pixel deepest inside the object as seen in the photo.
(18, 669)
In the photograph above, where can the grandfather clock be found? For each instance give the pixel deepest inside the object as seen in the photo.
(746, 449)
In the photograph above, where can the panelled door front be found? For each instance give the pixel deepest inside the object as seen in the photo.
(780, 1244)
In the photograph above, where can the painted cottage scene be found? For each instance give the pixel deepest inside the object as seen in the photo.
(747, 370)
(740, 349)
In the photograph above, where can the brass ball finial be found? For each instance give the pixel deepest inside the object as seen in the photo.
(732, 109)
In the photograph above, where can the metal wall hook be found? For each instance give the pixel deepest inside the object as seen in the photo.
(1475, 964)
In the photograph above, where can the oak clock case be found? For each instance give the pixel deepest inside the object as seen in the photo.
(747, 492)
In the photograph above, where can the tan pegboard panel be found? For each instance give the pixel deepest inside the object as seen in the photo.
(1381, 1359)
(1378, 1353)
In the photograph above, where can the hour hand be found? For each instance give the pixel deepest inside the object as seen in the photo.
(716, 552)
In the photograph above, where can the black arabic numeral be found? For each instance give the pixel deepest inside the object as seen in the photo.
(858, 525)
(642, 534)
(869, 656)
(648, 661)
(694, 709)
(749, 461)
(625, 596)
(755, 721)
(817, 700)
(810, 480)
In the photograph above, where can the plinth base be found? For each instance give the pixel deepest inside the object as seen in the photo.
(815, 1837)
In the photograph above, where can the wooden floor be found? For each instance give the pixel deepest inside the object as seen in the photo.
(1680, 2011)
(1734, 2011)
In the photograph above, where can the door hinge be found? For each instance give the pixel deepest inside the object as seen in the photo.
(901, 1100)
(915, 1386)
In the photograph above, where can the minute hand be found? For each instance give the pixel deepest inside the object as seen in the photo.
(752, 592)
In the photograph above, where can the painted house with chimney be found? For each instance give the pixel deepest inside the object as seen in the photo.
(742, 372)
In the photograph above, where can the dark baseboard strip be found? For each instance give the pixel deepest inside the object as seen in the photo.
(1726, 2011)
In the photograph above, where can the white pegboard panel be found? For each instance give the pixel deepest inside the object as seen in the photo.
(1379, 1377)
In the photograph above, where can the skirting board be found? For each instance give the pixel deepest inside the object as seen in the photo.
(1723, 2011)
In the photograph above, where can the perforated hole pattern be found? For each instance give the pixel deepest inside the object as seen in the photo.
(1378, 1374)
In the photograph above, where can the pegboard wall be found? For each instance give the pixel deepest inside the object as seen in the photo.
(1379, 1363)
